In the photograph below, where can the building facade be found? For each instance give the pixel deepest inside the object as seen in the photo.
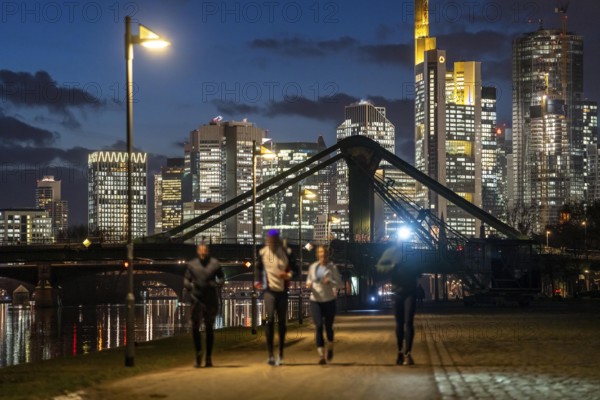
(365, 119)
(48, 197)
(171, 193)
(549, 122)
(107, 195)
(220, 156)
(25, 226)
(454, 117)
(281, 211)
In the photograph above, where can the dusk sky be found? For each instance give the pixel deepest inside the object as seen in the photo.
(288, 66)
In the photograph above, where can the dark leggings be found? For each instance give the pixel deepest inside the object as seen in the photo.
(404, 310)
(323, 313)
(275, 302)
(201, 312)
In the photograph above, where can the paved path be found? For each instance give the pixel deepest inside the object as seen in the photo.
(548, 351)
(363, 368)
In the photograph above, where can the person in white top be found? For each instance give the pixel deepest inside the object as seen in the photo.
(323, 280)
(275, 268)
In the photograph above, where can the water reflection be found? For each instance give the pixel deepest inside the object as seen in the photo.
(31, 335)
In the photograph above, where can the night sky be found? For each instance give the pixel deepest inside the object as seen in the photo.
(288, 66)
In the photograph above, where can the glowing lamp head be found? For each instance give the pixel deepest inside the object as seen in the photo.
(404, 233)
(151, 40)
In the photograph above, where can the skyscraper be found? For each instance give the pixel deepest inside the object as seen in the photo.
(493, 157)
(593, 173)
(281, 210)
(171, 193)
(549, 134)
(158, 203)
(220, 157)
(48, 197)
(107, 195)
(450, 116)
(365, 119)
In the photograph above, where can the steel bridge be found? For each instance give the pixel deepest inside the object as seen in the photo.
(438, 248)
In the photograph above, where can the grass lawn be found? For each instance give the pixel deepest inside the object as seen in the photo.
(50, 378)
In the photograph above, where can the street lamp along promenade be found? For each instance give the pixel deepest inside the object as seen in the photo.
(267, 154)
(150, 40)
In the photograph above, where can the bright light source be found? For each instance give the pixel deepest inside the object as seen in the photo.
(266, 153)
(150, 39)
(309, 246)
(155, 44)
(404, 233)
(309, 194)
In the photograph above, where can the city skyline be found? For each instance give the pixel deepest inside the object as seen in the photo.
(60, 125)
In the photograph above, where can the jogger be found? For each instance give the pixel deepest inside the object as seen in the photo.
(323, 279)
(274, 270)
(203, 278)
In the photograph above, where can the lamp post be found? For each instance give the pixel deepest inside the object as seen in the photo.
(148, 39)
(310, 195)
(584, 223)
(266, 153)
(302, 194)
(547, 237)
(331, 219)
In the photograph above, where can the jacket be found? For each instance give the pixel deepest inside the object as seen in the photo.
(271, 264)
(322, 292)
(203, 281)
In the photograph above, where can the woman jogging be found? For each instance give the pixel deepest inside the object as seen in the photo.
(323, 280)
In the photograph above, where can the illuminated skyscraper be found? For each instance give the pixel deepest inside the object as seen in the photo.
(281, 210)
(171, 207)
(450, 119)
(48, 197)
(549, 141)
(157, 203)
(365, 119)
(593, 173)
(107, 195)
(220, 165)
(493, 157)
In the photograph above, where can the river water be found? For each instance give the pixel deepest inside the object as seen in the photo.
(32, 335)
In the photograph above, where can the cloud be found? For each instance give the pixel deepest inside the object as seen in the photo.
(297, 46)
(331, 109)
(482, 45)
(40, 90)
(14, 131)
(395, 54)
(233, 108)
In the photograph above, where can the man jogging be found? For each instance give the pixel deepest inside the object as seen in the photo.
(203, 278)
(404, 286)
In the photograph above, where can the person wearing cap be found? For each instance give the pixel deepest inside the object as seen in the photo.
(275, 268)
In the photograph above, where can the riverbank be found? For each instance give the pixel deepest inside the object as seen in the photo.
(62, 375)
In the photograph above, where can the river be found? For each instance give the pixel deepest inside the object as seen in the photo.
(31, 335)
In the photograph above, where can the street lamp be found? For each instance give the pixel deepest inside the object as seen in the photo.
(269, 155)
(331, 219)
(547, 237)
(584, 223)
(302, 194)
(151, 40)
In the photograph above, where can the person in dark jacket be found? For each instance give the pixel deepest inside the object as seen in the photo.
(202, 279)
(275, 268)
(404, 286)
